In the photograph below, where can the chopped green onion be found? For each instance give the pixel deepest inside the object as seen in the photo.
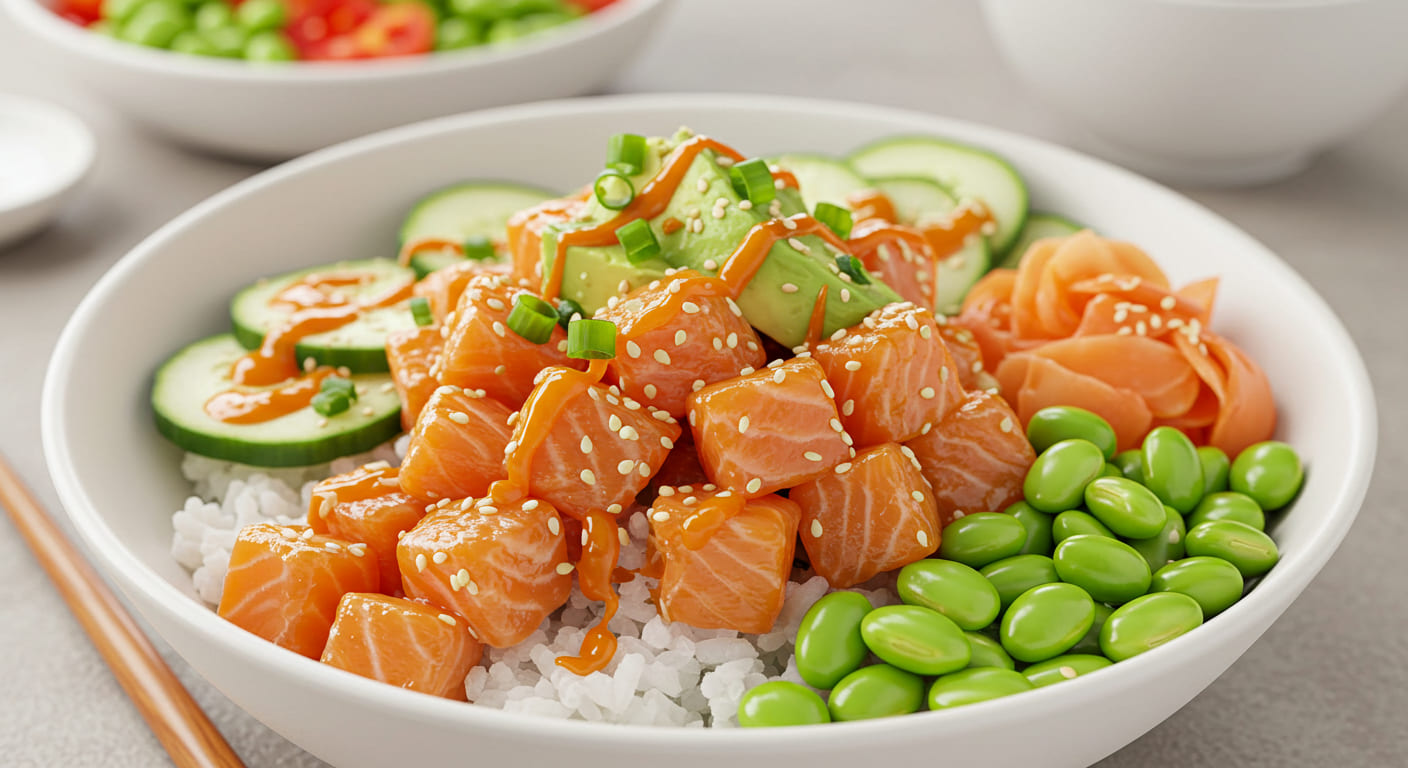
(638, 240)
(591, 339)
(613, 190)
(331, 403)
(479, 248)
(836, 218)
(625, 152)
(567, 311)
(753, 180)
(850, 265)
(420, 310)
(339, 384)
(532, 318)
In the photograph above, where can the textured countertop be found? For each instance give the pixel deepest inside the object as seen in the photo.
(1327, 685)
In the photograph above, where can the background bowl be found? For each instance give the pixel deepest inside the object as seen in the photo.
(1209, 91)
(120, 481)
(278, 111)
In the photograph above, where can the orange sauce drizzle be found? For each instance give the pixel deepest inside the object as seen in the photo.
(559, 386)
(786, 177)
(428, 244)
(871, 204)
(818, 320)
(712, 513)
(946, 236)
(594, 575)
(236, 407)
(671, 225)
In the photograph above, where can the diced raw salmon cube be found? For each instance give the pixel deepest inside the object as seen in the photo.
(976, 458)
(402, 643)
(443, 287)
(367, 505)
(411, 354)
(457, 446)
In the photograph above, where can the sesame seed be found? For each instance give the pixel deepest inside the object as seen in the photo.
(530, 505)
(702, 185)
(1067, 672)
(733, 307)
(753, 485)
(614, 423)
(686, 489)
(1156, 322)
(447, 618)
(458, 417)
(697, 385)
(745, 205)
(843, 467)
(689, 307)
(554, 526)
(789, 288)
(588, 477)
(779, 376)
(624, 286)
(853, 365)
(732, 341)
(848, 407)
(440, 557)
(742, 424)
(624, 537)
(332, 546)
(845, 438)
(661, 516)
(650, 390)
(585, 538)
(826, 387)
(662, 357)
(1006, 425)
(681, 337)
(499, 329)
(462, 576)
(690, 501)
(495, 304)
(625, 466)
(420, 563)
(717, 213)
(613, 509)
(632, 348)
(798, 244)
(816, 529)
(469, 586)
(746, 370)
(789, 224)
(922, 538)
(698, 226)
(1173, 536)
(1168, 302)
(811, 456)
(629, 433)
(511, 447)
(1141, 328)
(562, 346)
(358, 550)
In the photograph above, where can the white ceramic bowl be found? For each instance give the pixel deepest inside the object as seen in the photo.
(278, 111)
(45, 152)
(1209, 91)
(119, 480)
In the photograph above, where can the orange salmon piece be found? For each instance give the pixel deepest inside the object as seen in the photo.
(366, 505)
(737, 577)
(402, 643)
(770, 429)
(411, 354)
(524, 234)
(285, 582)
(1153, 369)
(892, 374)
(708, 341)
(897, 262)
(443, 287)
(878, 515)
(501, 567)
(1247, 412)
(456, 447)
(1043, 305)
(976, 458)
(1041, 382)
(482, 353)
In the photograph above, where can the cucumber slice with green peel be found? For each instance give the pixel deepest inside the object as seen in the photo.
(360, 346)
(917, 200)
(1039, 225)
(471, 209)
(967, 172)
(200, 371)
(821, 179)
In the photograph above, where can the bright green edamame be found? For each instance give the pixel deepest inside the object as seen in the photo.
(978, 539)
(269, 46)
(1228, 505)
(987, 652)
(1111, 471)
(916, 639)
(951, 588)
(260, 15)
(155, 23)
(1215, 583)
(879, 690)
(829, 643)
(1109, 569)
(1063, 668)
(1215, 468)
(227, 41)
(1090, 643)
(1077, 522)
(213, 15)
(1172, 469)
(779, 702)
(457, 32)
(1131, 463)
(1252, 551)
(192, 43)
(1147, 622)
(1046, 621)
(1125, 507)
(1011, 576)
(1057, 479)
(1053, 424)
(974, 685)
(1037, 525)
(1269, 472)
(120, 11)
(1165, 546)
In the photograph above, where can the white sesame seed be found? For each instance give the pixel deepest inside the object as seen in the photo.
(626, 466)
(632, 348)
(911, 322)
(746, 370)
(681, 337)
(816, 529)
(614, 422)
(733, 307)
(662, 357)
(624, 286)
(697, 226)
(826, 387)
(495, 304)
(753, 485)
(779, 376)
(629, 433)
(554, 526)
(943, 373)
(732, 341)
(843, 467)
(848, 407)
(585, 538)
(420, 563)
(331, 546)
(1067, 672)
(447, 619)
(458, 417)
(745, 205)
(440, 557)
(697, 385)
(649, 390)
(661, 516)
(702, 185)
(789, 288)
(358, 550)
(530, 505)
(511, 447)
(1168, 302)
(811, 456)
(588, 477)
(499, 329)
(689, 308)
(853, 365)
(1141, 328)
(742, 424)
(789, 224)
(798, 244)
(1006, 425)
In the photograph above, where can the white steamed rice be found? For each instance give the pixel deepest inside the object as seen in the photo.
(662, 674)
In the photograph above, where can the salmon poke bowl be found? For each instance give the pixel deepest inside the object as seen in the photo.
(802, 432)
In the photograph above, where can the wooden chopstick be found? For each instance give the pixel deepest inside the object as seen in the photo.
(174, 717)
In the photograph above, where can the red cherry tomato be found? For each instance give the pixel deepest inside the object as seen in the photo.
(81, 12)
(398, 29)
(321, 29)
(591, 6)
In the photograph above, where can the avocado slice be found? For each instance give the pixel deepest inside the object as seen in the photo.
(779, 299)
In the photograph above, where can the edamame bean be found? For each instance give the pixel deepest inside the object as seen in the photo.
(1215, 583)
(1077, 522)
(192, 43)
(269, 46)
(951, 588)
(1109, 569)
(1063, 668)
(1057, 479)
(1269, 472)
(1046, 621)
(155, 24)
(228, 41)
(120, 11)
(1111, 471)
(1228, 505)
(978, 539)
(916, 639)
(1172, 469)
(213, 15)
(1131, 463)
(1037, 525)
(829, 643)
(260, 15)
(457, 32)
(1252, 551)
(1053, 424)
(1165, 546)
(1147, 622)
(987, 652)
(779, 702)
(1011, 576)
(974, 685)
(1215, 467)
(1125, 507)
(879, 690)
(1090, 643)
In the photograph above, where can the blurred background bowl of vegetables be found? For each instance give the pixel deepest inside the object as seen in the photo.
(270, 79)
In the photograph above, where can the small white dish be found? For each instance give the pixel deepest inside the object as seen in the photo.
(45, 152)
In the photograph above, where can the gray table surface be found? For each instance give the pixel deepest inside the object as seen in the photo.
(1327, 685)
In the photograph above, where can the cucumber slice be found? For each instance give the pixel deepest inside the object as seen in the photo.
(1039, 225)
(918, 199)
(822, 179)
(474, 208)
(963, 170)
(360, 346)
(195, 374)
